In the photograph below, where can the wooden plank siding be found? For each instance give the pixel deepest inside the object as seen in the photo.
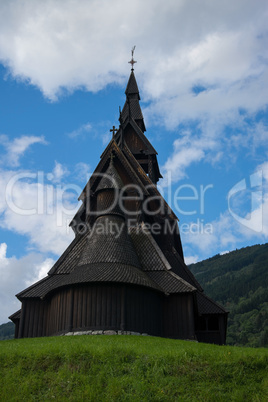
(179, 316)
(133, 141)
(117, 307)
(93, 306)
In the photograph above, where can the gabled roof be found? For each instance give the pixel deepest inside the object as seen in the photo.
(132, 168)
(105, 157)
(130, 121)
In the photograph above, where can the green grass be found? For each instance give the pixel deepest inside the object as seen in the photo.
(129, 368)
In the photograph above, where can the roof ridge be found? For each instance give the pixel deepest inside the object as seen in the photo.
(185, 268)
(182, 280)
(152, 187)
(157, 248)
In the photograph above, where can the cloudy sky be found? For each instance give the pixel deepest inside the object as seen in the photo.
(202, 74)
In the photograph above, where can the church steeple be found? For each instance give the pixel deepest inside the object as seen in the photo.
(132, 128)
(132, 89)
(132, 109)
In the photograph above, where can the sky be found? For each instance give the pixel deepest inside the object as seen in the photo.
(202, 74)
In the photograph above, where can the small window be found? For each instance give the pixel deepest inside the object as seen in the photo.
(213, 324)
(202, 324)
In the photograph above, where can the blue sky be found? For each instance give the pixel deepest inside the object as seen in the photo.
(202, 74)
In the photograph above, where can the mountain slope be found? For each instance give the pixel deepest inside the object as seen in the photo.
(239, 281)
(7, 331)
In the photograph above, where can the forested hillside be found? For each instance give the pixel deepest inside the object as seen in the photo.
(239, 281)
(7, 331)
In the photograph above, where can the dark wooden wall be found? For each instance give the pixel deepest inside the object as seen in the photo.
(93, 306)
(119, 307)
(179, 316)
(133, 141)
(144, 311)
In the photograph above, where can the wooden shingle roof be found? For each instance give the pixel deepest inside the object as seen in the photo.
(132, 86)
(180, 269)
(155, 264)
(170, 282)
(207, 305)
(133, 259)
(110, 179)
(94, 273)
(109, 246)
(69, 259)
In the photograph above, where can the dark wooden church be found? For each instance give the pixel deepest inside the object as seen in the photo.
(125, 270)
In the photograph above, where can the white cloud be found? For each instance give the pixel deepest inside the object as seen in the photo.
(40, 271)
(225, 252)
(179, 43)
(40, 211)
(201, 61)
(80, 131)
(191, 259)
(82, 172)
(3, 250)
(106, 138)
(58, 173)
(15, 149)
(187, 149)
(16, 275)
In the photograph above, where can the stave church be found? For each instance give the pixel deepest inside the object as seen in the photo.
(124, 272)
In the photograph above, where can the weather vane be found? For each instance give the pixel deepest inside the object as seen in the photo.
(132, 61)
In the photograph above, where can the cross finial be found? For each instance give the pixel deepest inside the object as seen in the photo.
(113, 130)
(132, 61)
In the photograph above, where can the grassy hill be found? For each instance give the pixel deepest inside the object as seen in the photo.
(239, 281)
(130, 368)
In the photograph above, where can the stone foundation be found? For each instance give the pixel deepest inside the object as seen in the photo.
(100, 332)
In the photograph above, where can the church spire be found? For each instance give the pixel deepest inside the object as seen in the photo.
(132, 109)
(132, 128)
